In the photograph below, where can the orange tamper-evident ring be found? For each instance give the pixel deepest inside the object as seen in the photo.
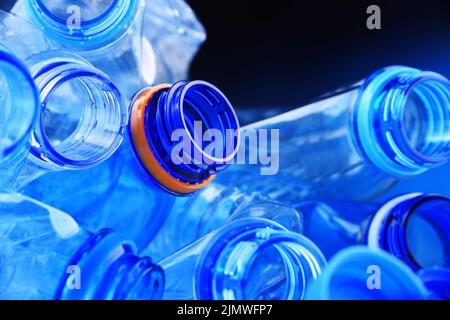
(144, 151)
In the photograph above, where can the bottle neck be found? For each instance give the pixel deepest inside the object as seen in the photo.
(257, 259)
(415, 228)
(82, 117)
(183, 134)
(110, 270)
(85, 26)
(359, 273)
(19, 100)
(19, 104)
(402, 120)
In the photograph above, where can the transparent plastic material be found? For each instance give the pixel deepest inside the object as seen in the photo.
(249, 259)
(137, 43)
(131, 194)
(82, 114)
(413, 227)
(45, 254)
(191, 218)
(355, 143)
(19, 111)
(359, 273)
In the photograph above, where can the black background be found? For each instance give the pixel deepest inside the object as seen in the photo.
(287, 52)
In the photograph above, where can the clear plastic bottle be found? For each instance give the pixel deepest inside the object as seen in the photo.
(248, 259)
(138, 202)
(352, 144)
(19, 111)
(359, 273)
(413, 227)
(45, 254)
(191, 218)
(82, 114)
(137, 43)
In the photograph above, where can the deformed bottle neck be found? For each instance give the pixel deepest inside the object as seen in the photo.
(85, 25)
(108, 269)
(415, 228)
(183, 134)
(401, 120)
(257, 259)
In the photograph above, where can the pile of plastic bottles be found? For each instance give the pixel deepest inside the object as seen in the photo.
(121, 180)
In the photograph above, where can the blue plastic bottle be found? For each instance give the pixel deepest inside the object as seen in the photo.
(19, 111)
(437, 281)
(82, 114)
(151, 179)
(359, 273)
(413, 227)
(352, 144)
(248, 259)
(45, 254)
(137, 43)
(191, 218)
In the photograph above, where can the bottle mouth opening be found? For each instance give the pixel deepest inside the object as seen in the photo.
(87, 25)
(424, 118)
(265, 264)
(83, 115)
(208, 116)
(89, 10)
(414, 228)
(359, 273)
(183, 134)
(19, 101)
(427, 232)
(402, 120)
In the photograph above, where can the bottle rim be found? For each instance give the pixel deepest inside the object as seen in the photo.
(292, 244)
(387, 229)
(92, 34)
(379, 116)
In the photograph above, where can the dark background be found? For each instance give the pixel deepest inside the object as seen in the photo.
(287, 52)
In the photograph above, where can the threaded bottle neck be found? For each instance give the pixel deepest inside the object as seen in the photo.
(257, 259)
(83, 115)
(415, 228)
(85, 26)
(110, 270)
(184, 134)
(402, 120)
(19, 100)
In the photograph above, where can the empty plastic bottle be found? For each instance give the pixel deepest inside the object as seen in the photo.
(352, 144)
(137, 43)
(437, 281)
(82, 114)
(359, 273)
(413, 227)
(191, 218)
(45, 254)
(250, 259)
(19, 110)
(152, 172)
